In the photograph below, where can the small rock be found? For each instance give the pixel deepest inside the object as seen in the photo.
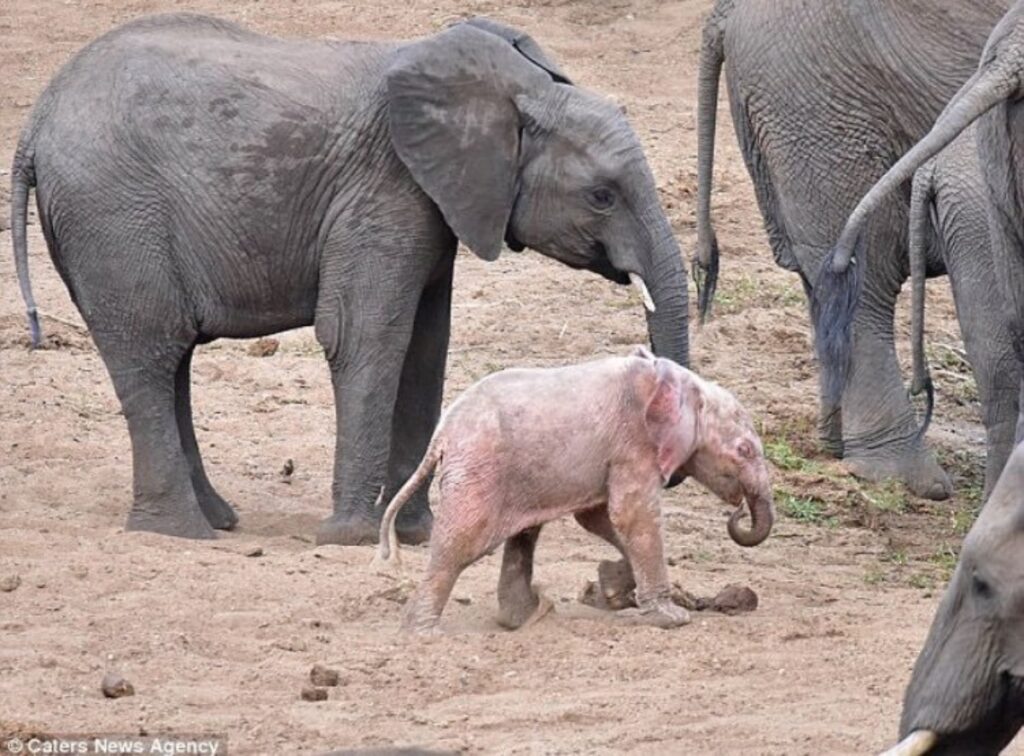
(735, 599)
(115, 686)
(287, 470)
(255, 551)
(263, 347)
(312, 693)
(292, 644)
(322, 676)
(10, 583)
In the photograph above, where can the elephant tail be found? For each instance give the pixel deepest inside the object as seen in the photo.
(712, 56)
(837, 288)
(387, 552)
(921, 198)
(23, 179)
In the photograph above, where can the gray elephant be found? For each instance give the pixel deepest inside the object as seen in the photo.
(196, 180)
(991, 97)
(966, 694)
(949, 219)
(825, 96)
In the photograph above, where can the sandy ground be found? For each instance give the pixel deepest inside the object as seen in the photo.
(217, 641)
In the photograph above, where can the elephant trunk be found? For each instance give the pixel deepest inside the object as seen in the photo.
(762, 516)
(667, 323)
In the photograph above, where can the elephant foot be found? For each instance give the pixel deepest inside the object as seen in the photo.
(183, 521)
(218, 513)
(918, 470)
(615, 579)
(663, 614)
(348, 529)
(830, 432)
(415, 528)
(516, 606)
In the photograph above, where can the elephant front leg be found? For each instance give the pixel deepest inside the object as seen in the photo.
(636, 517)
(364, 373)
(418, 406)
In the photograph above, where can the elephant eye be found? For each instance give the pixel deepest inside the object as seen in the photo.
(602, 198)
(980, 586)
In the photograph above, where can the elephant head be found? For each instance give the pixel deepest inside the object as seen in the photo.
(700, 430)
(998, 80)
(510, 152)
(966, 694)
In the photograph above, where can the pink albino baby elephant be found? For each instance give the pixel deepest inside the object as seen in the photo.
(598, 440)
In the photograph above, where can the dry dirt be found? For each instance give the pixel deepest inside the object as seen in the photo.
(217, 641)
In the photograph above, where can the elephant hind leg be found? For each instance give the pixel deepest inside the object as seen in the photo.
(518, 601)
(217, 511)
(164, 500)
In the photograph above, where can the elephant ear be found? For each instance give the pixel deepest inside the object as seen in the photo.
(522, 42)
(455, 126)
(671, 418)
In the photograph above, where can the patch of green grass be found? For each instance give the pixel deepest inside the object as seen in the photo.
(803, 508)
(921, 581)
(736, 294)
(784, 457)
(963, 519)
(789, 295)
(874, 575)
(945, 558)
(889, 497)
(897, 556)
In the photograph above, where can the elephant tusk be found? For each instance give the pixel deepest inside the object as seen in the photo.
(642, 288)
(917, 743)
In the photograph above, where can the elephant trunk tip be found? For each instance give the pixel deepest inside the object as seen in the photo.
(762, 516)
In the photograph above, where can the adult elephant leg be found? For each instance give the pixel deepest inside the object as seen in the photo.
(365, 315)
(217, 511)
(419, 402)
(365, 374)
(989, 349)
(880, 430)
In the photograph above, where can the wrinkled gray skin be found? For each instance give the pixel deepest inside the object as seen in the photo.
(949, 218)
(992, 99)
(597, 440)
(196, 180)
(968, 683)
(825, 96)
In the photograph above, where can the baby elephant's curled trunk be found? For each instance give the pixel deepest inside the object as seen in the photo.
(762, 515)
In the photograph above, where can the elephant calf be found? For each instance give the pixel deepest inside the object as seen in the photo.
(598, 440)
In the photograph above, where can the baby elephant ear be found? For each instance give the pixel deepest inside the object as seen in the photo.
(455, 126)
(671, 418)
